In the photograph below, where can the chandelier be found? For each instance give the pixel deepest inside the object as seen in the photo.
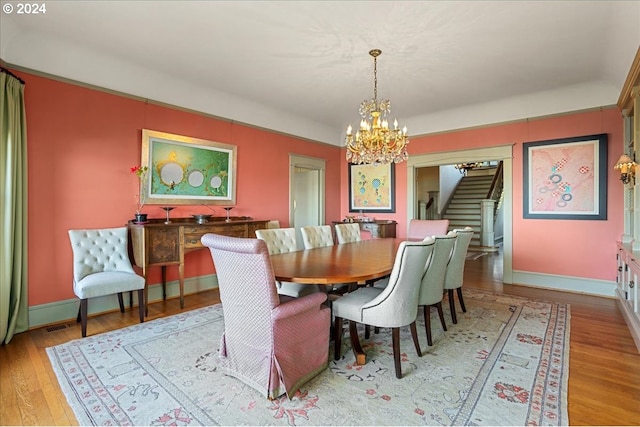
(375, 142)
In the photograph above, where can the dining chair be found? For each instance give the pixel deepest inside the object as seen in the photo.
(316, 236)
(432, 283)
(455, 269)
(101, 267)
(393, 307)
(320, 236)
(421, 228)
(272, 346)
(274, 223)
(348, 232)
(283, 240)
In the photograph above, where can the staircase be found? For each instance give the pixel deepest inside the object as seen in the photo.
(464, 208)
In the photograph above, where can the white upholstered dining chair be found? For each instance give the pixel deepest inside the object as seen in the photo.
(101, 267)
(283, 240)
(392, 307)
(432, 284)
(348, 232)
(455, 269)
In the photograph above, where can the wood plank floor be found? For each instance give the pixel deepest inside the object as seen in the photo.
(604, 373)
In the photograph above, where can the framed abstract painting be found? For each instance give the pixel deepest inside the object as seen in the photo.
(372, 188)
(566, 178)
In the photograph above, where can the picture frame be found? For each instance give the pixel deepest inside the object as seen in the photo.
(187, 171)
(566, 178)
(372, 188)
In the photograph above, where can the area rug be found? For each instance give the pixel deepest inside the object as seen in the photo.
(504, 363)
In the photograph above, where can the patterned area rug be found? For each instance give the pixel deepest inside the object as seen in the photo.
(505, 363)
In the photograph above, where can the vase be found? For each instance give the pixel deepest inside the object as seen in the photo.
(141, 217)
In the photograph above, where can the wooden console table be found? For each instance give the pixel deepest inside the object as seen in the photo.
(155, 243)
(379, 228)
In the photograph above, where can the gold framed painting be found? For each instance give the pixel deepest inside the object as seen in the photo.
(187, 171)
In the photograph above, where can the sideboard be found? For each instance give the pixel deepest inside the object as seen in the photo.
(379, 228)
(156, 243)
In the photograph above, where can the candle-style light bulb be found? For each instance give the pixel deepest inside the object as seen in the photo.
(349, 129)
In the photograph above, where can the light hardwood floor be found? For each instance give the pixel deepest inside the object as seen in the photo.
(604, 372)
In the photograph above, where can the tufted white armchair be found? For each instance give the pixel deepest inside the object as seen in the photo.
(279, 241)
(347, 233)
(101, 266)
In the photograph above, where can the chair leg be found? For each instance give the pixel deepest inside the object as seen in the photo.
(459, 290)
(395, 333)
(337, 337)
(82, 314)
(120, 302)
(427, 323)
(414, 335)
(441, 314)
(452, 306)
(141, 304)
(367, 332)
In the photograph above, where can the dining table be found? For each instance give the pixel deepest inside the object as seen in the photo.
(357, 262)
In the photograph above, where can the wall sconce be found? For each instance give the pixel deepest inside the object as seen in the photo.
(627, 168)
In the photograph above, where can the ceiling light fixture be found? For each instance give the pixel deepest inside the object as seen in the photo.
(375, 142)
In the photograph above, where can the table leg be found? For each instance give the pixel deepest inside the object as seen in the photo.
(361, 358)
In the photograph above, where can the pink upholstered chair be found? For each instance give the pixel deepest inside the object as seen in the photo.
(273, 347)
(421, 228)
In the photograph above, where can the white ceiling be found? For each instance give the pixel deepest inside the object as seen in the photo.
(302, 67)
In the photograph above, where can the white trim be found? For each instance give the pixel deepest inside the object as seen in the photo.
(632, 319)
(498, 152)
(602, 288)
(67, 310)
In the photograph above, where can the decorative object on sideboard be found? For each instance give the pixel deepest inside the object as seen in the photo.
(627, 168)
(141, 173)
(375, 142)
(202, 219)
(167, 209)
(228, 209)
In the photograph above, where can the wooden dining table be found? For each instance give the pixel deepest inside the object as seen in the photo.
(357, 262)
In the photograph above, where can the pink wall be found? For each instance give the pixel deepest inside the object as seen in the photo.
(81, 146)
(556, 247)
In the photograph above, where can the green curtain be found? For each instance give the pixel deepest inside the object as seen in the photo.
(14, 308)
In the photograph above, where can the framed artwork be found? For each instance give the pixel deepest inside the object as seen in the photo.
(187, 171)
(566, 178)
(372, 188)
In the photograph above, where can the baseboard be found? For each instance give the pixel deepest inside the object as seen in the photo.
(603, 288)
(67, 310)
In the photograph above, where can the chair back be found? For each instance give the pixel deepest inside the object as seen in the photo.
(421, 228)
(279, 240)
(455, 269)
(396, 305)
(316, 236)
(98, 251)
(274, 223)
(348, 233)
(432, 285)
(247, 285)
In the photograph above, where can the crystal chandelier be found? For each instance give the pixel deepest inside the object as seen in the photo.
(375, 142)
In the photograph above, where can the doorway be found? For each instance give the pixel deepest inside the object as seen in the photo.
(502, 152)
(306, 192)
